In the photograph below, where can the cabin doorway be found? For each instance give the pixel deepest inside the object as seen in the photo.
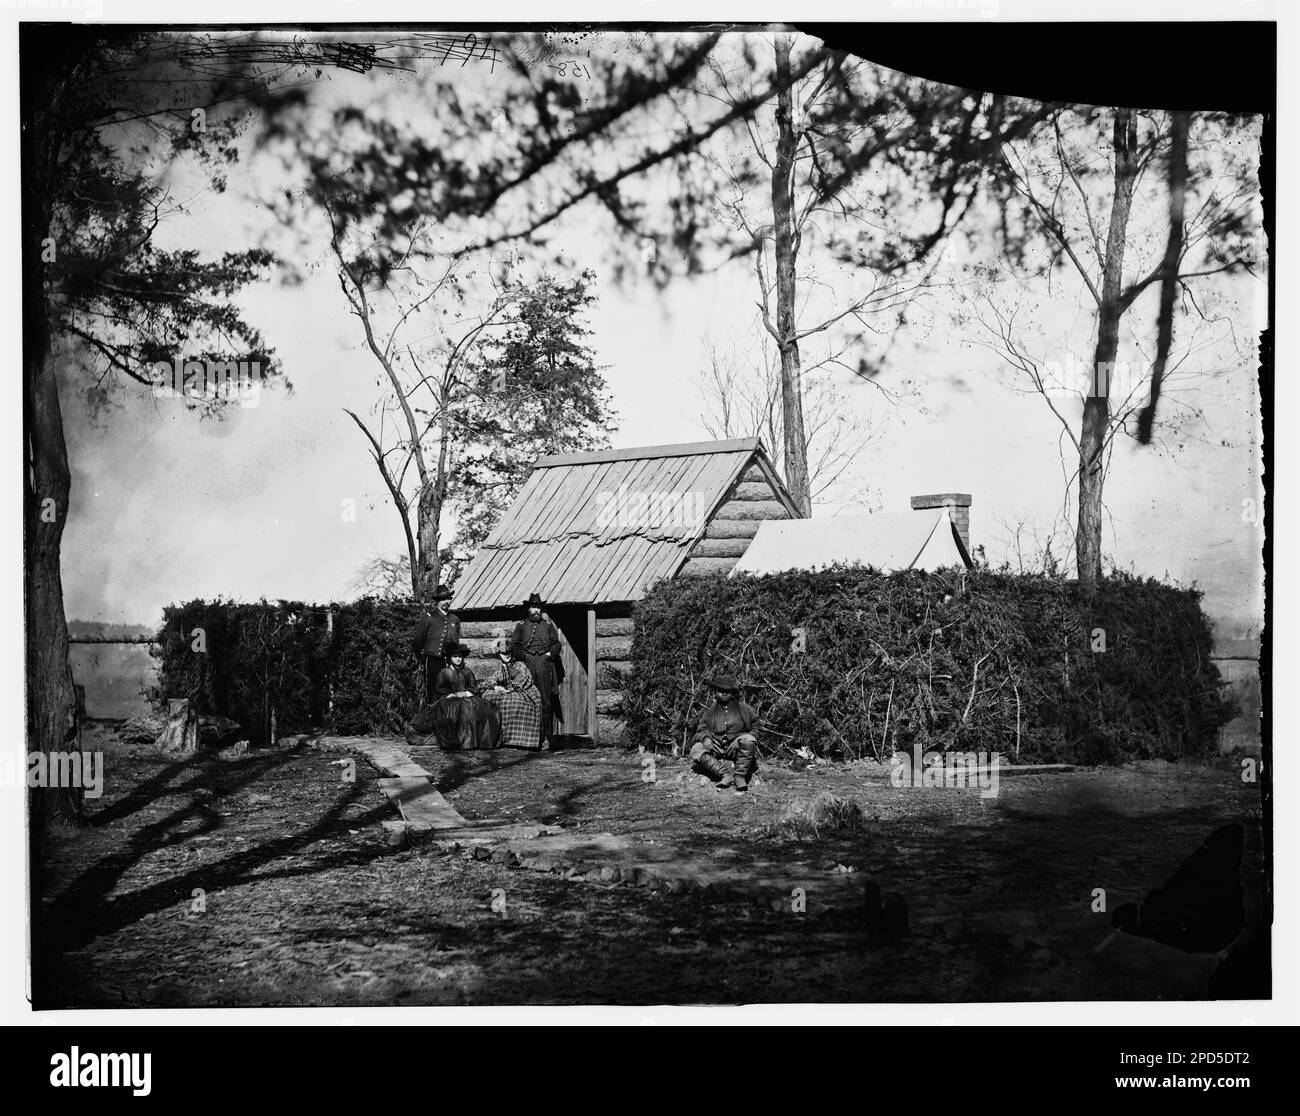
(571, 623)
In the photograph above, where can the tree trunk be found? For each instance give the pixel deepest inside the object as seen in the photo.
(1092, 441)
(429, 514)
(796, 444)
(412, 552)
(1169, 282)
(1096, 409)
(432, 498)
(51, 701)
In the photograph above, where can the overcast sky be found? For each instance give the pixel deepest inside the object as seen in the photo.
(166, 507)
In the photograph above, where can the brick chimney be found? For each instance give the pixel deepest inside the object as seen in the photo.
(958, 505)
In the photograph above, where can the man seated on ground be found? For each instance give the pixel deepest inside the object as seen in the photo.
(726, 733)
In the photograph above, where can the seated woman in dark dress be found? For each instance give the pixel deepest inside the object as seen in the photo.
(459, 715)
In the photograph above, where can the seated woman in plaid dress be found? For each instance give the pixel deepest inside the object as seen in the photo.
(517, 701)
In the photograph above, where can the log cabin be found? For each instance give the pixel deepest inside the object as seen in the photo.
(591, 533)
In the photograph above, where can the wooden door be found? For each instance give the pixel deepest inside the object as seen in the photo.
(571, 623)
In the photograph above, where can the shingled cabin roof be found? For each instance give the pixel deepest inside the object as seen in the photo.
(569, 534)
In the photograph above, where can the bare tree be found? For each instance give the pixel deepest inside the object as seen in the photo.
(1087, 201)
(425, 378)
(741, 388)
(388, 578)
(1030, 546)
(483, 371)
(830, 267)
(643, 129)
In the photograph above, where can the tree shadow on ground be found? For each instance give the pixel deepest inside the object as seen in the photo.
(87, 909)
(146, 793)
(455, 769)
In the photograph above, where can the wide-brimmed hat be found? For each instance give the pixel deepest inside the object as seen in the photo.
(724, 683)
(457, 649)
(534, 601)
(442, 593)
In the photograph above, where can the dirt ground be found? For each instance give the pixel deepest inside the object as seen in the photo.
(263, 879)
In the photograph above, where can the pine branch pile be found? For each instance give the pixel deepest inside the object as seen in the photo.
(853, 664)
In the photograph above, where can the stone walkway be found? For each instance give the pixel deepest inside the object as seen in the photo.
(425, 812)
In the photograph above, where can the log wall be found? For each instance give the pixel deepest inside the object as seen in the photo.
(744, 529)
(733, 525)
(750, 502)
(613, 664)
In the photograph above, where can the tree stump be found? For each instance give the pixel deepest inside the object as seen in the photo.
(217, 732)
(181, 736)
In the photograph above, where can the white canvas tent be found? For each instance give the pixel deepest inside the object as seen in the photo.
(887, 542)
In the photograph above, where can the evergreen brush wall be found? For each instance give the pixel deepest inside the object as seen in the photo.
(852, 663)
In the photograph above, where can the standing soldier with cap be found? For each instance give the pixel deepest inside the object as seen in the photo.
(537, 643)
(726, 733)
(434, 634)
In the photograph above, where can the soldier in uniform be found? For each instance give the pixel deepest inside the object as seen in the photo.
(726, 733)
(434, 634)
(537, 643)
